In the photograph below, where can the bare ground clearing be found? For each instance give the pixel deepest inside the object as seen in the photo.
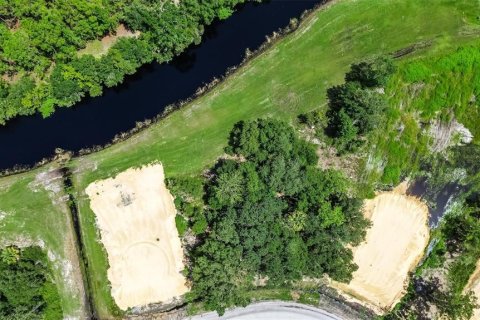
(136, 217)
(97, 48)
(394, 245)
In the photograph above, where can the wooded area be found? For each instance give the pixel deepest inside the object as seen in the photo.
(270, 213)
(40, 68)
(26, 288)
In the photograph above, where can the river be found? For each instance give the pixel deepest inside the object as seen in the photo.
(95, 121)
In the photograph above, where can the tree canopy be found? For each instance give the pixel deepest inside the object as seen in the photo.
(26, 291)
(272, 213)
(40, 40)
(357, 106)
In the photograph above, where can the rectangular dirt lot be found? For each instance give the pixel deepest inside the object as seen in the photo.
(136, 217)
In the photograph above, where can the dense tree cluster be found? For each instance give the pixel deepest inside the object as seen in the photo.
(356, 107)
(39, 42)
(26, 291)
(272, 214)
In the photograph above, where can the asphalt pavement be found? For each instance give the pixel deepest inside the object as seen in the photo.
(271, 310)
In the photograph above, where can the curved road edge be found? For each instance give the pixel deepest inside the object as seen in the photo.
(262, 309)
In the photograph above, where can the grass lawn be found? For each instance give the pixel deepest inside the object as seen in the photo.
(33, 211)
(286, 80)
(290, 78)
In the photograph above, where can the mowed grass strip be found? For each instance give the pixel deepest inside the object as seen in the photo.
(286, 80)
(33, 211)
(290, 78)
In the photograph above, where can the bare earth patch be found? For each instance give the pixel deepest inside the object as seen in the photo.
(136, 217)
(97, 48)
(394, 245)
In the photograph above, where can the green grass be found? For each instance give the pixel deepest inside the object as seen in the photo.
(289, 79)
(283, 294)
(33, 215)
(434, 87)
(94, 47)
(97, 262)
(286, 80)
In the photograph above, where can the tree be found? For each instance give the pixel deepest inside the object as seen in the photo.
(10, 255)
(25, 291)
(66, 88)
(363, 106)
(356, 107)
(373, 73)
(229, 187)
(272, 213)
(345, 130)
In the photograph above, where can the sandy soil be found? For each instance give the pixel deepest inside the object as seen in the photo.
(474, 285)
(393, 247)
(136, 217)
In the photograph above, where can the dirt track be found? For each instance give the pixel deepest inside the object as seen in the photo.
(474, 285)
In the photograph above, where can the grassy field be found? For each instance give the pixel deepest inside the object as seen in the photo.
(286, 80)
(33, 211)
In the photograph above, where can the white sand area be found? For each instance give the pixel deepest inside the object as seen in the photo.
(136, 217)
(394, 245)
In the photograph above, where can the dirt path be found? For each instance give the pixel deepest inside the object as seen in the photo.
(474, 285)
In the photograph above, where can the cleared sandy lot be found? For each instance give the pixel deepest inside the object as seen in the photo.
(393, 247)
(136, 217)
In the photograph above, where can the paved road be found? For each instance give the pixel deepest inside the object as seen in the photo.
(271, 310)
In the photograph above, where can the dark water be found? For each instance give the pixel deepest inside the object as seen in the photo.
(26, 140)
(438, 206)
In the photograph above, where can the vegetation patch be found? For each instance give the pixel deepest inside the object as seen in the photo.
(97, 48)
(269, 216)
(27, 290)
(439, 287)
(274, 85)
(40, 43)
(432, 106)
(35, 213)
